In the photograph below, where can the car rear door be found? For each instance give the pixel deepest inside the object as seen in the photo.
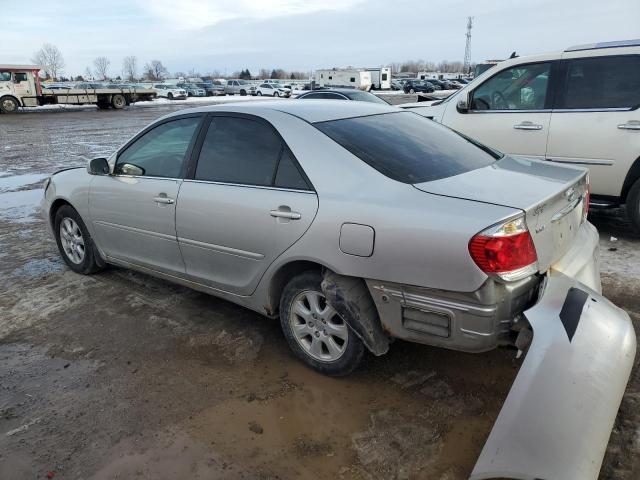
(510, 111)
(245, 202)
(596, 120)
(133, 210)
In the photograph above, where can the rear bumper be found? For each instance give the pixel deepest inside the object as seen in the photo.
(558, 416)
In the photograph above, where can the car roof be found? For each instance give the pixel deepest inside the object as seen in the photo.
(312, 112)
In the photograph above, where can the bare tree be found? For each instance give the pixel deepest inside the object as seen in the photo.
(50, 59)
(130, 68)
(154, 70)
(101, 65)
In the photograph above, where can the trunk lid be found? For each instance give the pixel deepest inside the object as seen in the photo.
(551, 196)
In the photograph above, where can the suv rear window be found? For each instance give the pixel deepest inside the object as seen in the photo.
(602, 82)
(408, 147)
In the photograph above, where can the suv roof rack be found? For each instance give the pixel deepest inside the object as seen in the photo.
(614, 44)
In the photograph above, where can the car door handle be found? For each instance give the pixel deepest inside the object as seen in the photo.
(164, 200)
(632, 125)
(527, 126)
(285, 214)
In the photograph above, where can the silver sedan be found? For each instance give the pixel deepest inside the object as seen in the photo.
(357, 224)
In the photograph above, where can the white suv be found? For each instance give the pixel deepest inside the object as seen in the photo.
(579, 107)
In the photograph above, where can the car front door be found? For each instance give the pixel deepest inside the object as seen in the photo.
(244, 203)
(596, 120)
(510, 111)
(133, 209)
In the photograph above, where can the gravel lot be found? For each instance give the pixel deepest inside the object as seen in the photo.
(120, 375)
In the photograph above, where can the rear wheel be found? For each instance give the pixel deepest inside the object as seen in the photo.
(243, 93)
(411, 90)
(314, 331)
(259, 94)
(74, 241)
(633, 205)
(118, 101)
(276, 94)
(8, 105)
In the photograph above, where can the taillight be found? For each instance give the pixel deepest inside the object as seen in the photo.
(585, 202)
(506, 250)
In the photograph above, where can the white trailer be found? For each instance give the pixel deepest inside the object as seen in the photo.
(20, 87)
(380, 78)
(347, 77)
(439, 75)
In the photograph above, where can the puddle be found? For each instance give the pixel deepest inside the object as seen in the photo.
(20, 206)
(38, 268)
(15, 182)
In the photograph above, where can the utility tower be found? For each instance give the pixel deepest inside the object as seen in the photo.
(467, 48)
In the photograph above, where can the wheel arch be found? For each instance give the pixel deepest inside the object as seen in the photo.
(55, 206)
(280, 278)
(632, 176)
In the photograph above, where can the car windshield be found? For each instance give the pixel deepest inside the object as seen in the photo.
(242, 82)
(408, 147)
(365, 97)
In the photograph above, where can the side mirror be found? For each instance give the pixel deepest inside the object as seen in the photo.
(98, 166)
(464, 103)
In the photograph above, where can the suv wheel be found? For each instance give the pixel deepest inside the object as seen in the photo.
(314, 331)
(633, 205)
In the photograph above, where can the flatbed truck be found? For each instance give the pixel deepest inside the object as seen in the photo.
(20, 87)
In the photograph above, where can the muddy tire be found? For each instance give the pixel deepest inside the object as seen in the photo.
(314, 331)
(118, 101)
(8, 105)
(74, 242)
(633, 205)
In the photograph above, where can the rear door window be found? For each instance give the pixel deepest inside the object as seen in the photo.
(601, 82)
(407, 147)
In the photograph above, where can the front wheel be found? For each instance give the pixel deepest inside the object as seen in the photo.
(259, 94)
(314, 331)
(243, 93)
(412, 91)
(74, 241)
(170, 96)
(276, 94)
(633, 205)
(8, 105)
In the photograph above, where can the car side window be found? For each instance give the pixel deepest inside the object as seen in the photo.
(523, 87)
(20, 77)
(160, 152)
(5, 76)
(288, 175)
(239, 150)
(601, 82)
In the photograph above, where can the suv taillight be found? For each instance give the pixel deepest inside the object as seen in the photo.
(506, 250)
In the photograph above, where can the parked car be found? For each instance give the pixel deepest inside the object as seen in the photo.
(422, 235)
(591, 120)
(341, 94)
(437, 84)
(396, 85)
(212, 89)
(192, 90)
(418, 86)
(237, 87)
(272, 90)
(170, 92)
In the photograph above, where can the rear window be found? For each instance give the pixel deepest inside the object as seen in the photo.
(407, 147)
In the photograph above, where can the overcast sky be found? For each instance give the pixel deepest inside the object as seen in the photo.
(228, 35)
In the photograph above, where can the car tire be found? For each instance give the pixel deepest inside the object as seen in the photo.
(276, 94)
(74, 242)
(118, 102)
(412, 91)
(8, 105)
(243, 93)
(169, 96)
(633, 205)
(322, 341)
(259, 94)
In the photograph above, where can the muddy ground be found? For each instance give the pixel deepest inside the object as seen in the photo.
(119, 375)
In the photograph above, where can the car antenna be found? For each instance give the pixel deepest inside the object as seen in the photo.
(513, 55)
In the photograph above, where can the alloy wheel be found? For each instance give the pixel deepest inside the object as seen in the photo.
(317, 327)
(72, 240)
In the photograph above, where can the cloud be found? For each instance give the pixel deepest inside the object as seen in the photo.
(193, 14)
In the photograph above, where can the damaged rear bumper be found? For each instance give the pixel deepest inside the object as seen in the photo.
(556, 421)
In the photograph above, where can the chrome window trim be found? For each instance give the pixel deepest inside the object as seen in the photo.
(604, 109)
(173, 179)
(247, 185)
(547, 110)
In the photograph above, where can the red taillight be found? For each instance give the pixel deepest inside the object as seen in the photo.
(585, 203)
(506, 250)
